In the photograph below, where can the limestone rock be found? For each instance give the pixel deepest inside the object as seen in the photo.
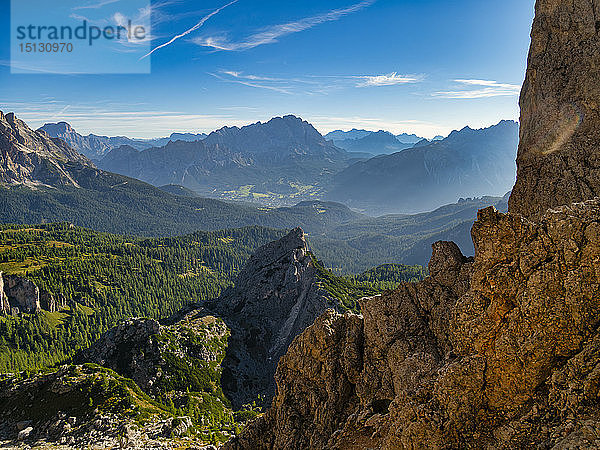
(129, 350)
(276, 296)
(558, 159)
(24, 434)
(19, 295)
(502, 352)
(52, 303)
(139, 348)
(33, 158)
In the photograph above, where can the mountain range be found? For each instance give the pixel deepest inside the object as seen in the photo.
(468, 163)
(55, 183)
(276, 163)
(374, 142)
(286, 160)
(95, 147)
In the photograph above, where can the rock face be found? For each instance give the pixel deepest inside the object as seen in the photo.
(558, 160)
(18, 295)
(129, 349)
(32, 158)
(276, 296)
(502, 351)
(21, 295)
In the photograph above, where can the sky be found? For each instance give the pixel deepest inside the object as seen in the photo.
(421, 66)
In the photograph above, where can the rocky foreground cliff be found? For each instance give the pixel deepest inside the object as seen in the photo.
(558, 159)
(502, 351)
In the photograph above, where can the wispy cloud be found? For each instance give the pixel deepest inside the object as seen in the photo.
(251, 81)
(191, 30)
(391, 79)
(96, 5)
(271, 34)
(121, 119)
(474, 89)
(314, 84)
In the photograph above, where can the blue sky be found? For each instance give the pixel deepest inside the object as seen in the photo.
(426, 66)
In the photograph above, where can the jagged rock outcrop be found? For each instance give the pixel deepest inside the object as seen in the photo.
(75, 407)
(346, 369)
(558, 161)
(18, 295)
(33, 158)
(52, 303)
(21, 295)
(143, 350)
(499, 352)
(129, 349)
(276, 296)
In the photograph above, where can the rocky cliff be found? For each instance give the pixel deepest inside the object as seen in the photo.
(33, 158)
(276, 296)
(21, 295)
(558, 160)
(502, 351)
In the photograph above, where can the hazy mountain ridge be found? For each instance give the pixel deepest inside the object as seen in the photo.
(286, 160)
(372, 142)
(468, 163)
(95, 147)
(376, 143)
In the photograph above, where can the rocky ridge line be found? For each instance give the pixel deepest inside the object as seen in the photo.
(33, 158)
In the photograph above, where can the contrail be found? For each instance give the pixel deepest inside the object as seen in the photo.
(194, 28)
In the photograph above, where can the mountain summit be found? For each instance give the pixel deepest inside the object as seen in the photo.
(32, 158)
(280, 162)
(275, 298)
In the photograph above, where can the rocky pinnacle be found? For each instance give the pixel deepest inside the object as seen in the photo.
(559, 152)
